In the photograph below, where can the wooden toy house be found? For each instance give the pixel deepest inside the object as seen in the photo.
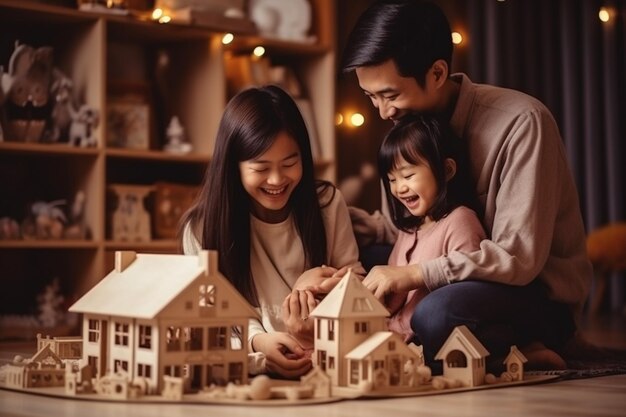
(463, 357)
(175, 315)
(380, 360)
(514, 362)
(345, 318)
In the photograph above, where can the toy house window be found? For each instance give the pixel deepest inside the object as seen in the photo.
(360, 327)
(119, 365)
(331, 330)
(364, 369)
(456, 359)
(121, 334)
(172, 370)
(144, 370)
(94, 330)
(319, 328)
(207, 296)
(379, 364)
(217, 338)
(362, 304)
(145, 336)
(172, 339)
(215, 374)
(331, 362)
(354, 372)
(392, 346)
(236, 338)
(321, 359)
(235, 372)
(193, 338)
(92, 361)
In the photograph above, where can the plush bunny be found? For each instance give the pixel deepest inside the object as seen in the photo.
(26, 102)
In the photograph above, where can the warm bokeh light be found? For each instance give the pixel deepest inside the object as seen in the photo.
(157, 14)
(604, 14)
(259, 51)
(357, 119)
(165, 19)
(228, 38)
(456, 38)
(338, 119)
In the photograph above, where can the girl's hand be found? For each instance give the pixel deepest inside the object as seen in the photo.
(284, 356)
(383, 280)
(295, 314)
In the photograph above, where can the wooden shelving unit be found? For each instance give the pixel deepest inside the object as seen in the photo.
(86, 48)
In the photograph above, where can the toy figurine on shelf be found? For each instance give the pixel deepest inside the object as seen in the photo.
(45, 220)
(176, 138)
(76, 227)
(50, 303)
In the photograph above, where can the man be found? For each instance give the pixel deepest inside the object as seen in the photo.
(531, 275)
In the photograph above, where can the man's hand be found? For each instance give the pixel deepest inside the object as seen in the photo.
(383, 280)
(314, 277)
(283, 354)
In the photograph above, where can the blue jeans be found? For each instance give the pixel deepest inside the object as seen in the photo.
(499, 315)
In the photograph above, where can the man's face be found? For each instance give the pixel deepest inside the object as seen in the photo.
(394, 95)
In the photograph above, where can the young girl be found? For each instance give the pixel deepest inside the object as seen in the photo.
(262, 210)
(430, 197)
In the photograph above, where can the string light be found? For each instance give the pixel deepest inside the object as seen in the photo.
(259, 51)
(338, 119)
(227, 38)
(357, 119)
(157, 14)
(604, 14)
(457, 38)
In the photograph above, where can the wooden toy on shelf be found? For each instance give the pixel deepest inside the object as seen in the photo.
(131, 221)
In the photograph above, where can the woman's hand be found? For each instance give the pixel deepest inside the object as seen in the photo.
(383, 280)
(295, 314)
(284, 356)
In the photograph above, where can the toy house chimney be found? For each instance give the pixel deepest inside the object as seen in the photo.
(123, 259)
(208, 261)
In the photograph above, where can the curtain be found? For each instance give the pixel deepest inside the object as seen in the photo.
(562, 53)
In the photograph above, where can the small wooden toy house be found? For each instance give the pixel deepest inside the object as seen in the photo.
(514, 362)
(157, 315)
(463, 357)
(345, 318)
(43, 369)
(380, 360)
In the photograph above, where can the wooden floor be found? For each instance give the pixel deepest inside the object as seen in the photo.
(602, 396)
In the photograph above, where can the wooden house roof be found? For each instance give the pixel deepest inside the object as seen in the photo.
(142, 285)
(350, 298)
(463, 339)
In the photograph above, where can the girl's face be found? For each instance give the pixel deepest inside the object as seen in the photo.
(271, 177)
(414, 185)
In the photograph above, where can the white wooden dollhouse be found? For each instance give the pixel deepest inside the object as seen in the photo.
(175, 315)
(463, 357)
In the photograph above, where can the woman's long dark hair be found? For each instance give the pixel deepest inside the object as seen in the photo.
(220, 217)
(426, 140)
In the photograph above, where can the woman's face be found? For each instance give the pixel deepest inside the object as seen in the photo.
(271, 177)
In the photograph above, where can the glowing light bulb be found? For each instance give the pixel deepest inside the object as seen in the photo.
(456, 38)
(338, 119)
(604, 14)
(227, 38)
(357, 119)
(259, 51)
(165, 19)
(157, 14)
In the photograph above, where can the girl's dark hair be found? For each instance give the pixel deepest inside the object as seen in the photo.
(413, 33)
(425, 140)
(220, 216)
